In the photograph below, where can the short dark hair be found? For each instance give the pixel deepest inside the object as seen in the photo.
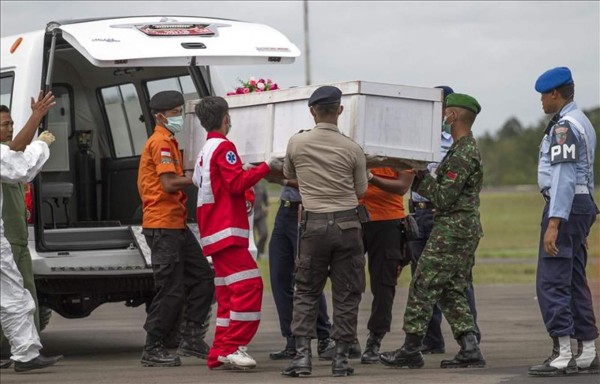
(4, 109)
(566, 91)
(326, 109)
(211, 110)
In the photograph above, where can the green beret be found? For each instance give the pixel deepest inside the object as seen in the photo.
(463, 101)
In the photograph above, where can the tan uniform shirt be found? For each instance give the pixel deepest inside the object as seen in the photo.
(330, 168)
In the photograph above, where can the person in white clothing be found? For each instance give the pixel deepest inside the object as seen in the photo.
(20, 161)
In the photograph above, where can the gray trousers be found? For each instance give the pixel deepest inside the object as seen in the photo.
(330, 245)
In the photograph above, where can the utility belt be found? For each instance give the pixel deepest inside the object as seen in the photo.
(580, 189)
(420, 206)
(290, 204)
(306, 215)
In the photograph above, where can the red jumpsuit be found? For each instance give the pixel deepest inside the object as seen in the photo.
(224, 230)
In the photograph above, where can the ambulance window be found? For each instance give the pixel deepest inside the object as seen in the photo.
(183, 84)
(122, 107)
(6, 88)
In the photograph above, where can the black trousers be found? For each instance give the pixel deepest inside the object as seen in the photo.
(282, 263)
(383, 241)
(181, 273)
(329, 247)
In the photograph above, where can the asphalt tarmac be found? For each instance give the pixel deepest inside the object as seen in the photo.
(106, 348)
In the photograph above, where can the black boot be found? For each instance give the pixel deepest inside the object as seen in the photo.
(156, 355)
(355, 350)
(287, 353)
(5, 364)
(409, 355)
(371, 354)
(326, 349)
(340, 366)
(37, 363)
(191, 343)
(468, 356)
(555, 350)
(301, 363)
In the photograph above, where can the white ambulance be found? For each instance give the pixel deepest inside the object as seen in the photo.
(86, 206)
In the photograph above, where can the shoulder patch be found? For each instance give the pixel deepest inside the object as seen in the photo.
(451, 175)
(563, 144)
(230, 157)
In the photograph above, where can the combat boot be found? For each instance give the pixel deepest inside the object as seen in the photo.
(191, 343)
(587, 358)
(355, 350)
(468, 356)
(156, 355)
(4, 364)
(555, 350)
(326, 348)
(340, 366)
(563, 364)
(301, 363)
(371, 354)
(409, 355)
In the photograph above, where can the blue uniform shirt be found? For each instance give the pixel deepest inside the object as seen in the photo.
(566, 160)
(290, 194)
(446, 144)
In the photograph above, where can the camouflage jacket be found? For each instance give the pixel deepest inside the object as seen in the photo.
(455, 191)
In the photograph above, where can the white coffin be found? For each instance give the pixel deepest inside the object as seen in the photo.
(399, 123)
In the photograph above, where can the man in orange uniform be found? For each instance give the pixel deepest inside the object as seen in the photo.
(181, 272)
(383, 240)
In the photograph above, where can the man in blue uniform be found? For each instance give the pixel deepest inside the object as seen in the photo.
(565, 178)
(423, 209)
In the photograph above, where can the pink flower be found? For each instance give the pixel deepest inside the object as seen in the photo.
(239, 90)
(269, 81)
(260, 86)
(246, 90)
(273, 87)
(231, 93)
(261, 81)
(252, 82)
(259, 90)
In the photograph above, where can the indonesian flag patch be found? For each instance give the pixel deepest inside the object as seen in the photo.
(165, 152)
(451, 175)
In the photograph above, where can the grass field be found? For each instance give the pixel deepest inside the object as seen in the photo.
(508, 250)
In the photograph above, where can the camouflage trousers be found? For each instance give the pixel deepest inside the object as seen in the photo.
(442, 275)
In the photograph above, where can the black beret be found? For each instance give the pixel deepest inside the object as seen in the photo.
(166, 100)
(325, 95)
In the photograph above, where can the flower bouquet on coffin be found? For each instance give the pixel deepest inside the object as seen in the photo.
(254, 85)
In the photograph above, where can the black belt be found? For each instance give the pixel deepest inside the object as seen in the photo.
(290, 204)
(423, 205)
(330, 215)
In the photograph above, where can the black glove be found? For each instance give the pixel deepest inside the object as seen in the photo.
(419, 176)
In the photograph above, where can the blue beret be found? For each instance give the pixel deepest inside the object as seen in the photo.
(447, 90)
(166, 100)
(325, 95)
(553, 78)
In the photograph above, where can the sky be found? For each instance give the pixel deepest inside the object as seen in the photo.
(493, 51)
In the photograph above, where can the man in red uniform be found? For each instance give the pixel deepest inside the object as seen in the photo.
(224, 230)
(180, 270)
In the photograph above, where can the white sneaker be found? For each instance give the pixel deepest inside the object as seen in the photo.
(239, 359)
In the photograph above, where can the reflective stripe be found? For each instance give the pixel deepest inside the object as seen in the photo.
(222, 322)
(581, 130)
(221, 235)
(239, 276)
(244, 316)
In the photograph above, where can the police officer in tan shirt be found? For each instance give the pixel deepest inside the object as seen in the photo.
(331, 173)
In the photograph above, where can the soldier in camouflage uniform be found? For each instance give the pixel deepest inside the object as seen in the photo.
(444, 269)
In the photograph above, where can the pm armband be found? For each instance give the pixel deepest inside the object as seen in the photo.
(563, 144)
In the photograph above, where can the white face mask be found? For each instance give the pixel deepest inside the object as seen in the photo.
(174, 124)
